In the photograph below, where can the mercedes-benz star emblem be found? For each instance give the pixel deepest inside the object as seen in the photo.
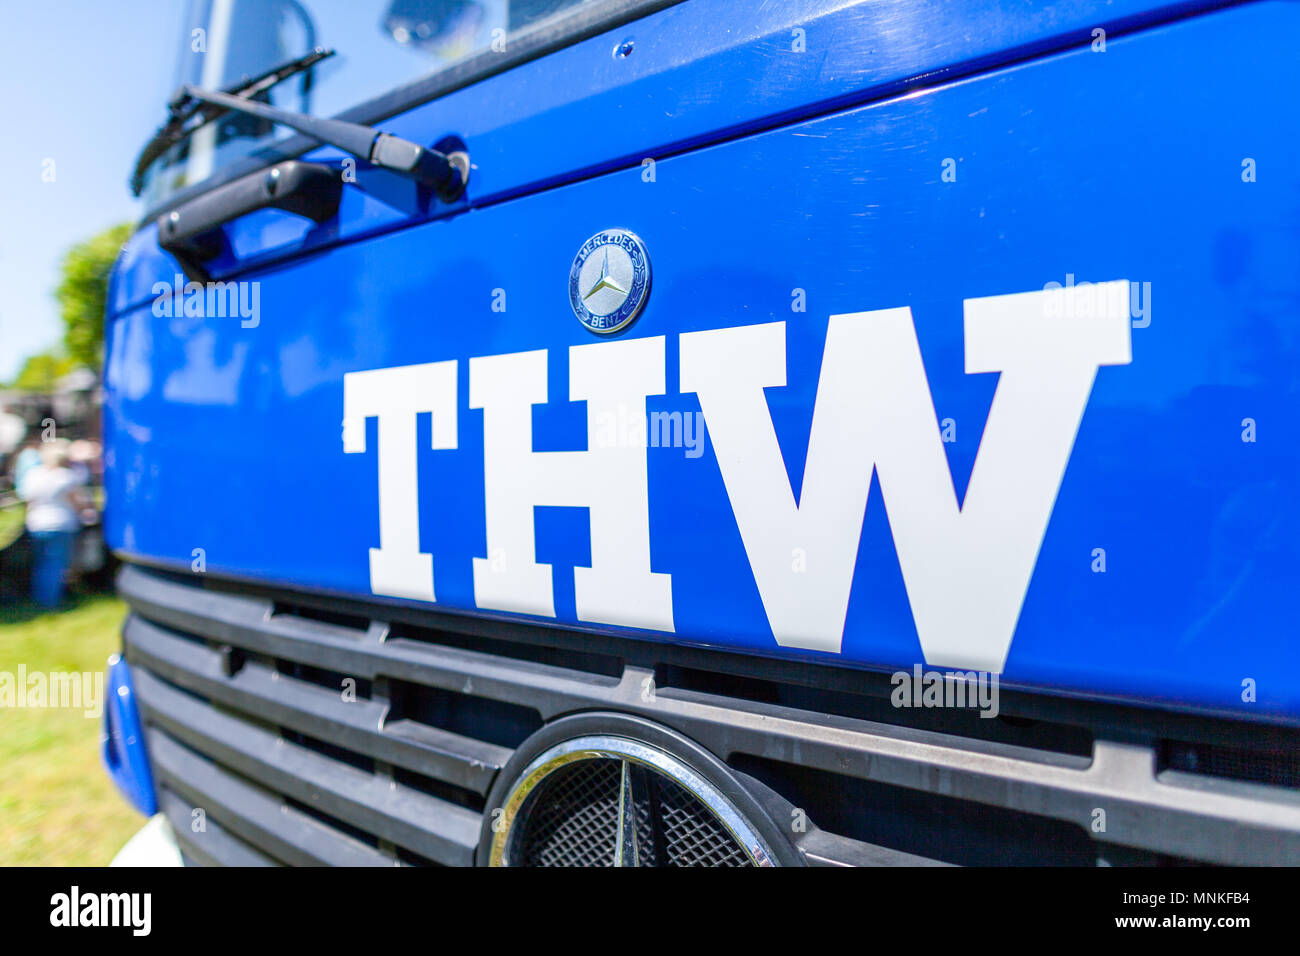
(609, 280)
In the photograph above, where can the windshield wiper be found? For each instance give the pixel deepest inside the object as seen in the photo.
(193, 108)
(187, 114)
(444, 173)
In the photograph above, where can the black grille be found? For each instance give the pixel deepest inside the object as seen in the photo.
(571, 819)
(692, 835)
(241, 691)
(1278, 766)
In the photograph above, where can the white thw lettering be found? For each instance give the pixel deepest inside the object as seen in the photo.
(619, 587)
(966, 567)
(395, 396)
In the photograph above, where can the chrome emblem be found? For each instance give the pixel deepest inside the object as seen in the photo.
(609, 281)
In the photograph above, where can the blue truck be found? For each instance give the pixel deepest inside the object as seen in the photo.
(649, 433)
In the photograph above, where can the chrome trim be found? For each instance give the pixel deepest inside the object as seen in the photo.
(596, 747)
(626, 851)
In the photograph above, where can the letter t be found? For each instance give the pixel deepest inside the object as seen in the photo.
(395, 396)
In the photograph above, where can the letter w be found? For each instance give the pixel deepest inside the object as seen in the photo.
(966, 566)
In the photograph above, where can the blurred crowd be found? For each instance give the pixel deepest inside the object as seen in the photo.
(56, 481)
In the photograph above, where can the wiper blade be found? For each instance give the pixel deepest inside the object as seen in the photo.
(445, 173)
(187, 114)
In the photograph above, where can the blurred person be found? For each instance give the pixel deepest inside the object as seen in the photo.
(54, 504)
(26, 460)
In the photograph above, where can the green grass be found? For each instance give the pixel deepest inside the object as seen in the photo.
(57, 805)
(11, 524)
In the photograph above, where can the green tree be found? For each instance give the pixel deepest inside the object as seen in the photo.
(40, 372)
(83, 294)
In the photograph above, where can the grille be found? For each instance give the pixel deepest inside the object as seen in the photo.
(1279, 767)
(312, 731)
(692, 836)
(572, 820)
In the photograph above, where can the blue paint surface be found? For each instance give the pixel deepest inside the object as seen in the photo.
(123, 748)
(1117, 165)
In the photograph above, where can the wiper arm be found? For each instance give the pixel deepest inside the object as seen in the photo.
(187, 114)
(444, 173)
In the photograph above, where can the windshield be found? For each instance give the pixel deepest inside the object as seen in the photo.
(380, 44)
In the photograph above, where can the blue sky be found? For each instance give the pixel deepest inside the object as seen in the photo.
(82, 82)
(85, 83)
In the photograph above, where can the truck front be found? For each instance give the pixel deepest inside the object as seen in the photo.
(696, 434)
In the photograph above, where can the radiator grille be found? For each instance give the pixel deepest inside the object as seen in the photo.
(692, 836)
(283, 732)
(573, 818)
